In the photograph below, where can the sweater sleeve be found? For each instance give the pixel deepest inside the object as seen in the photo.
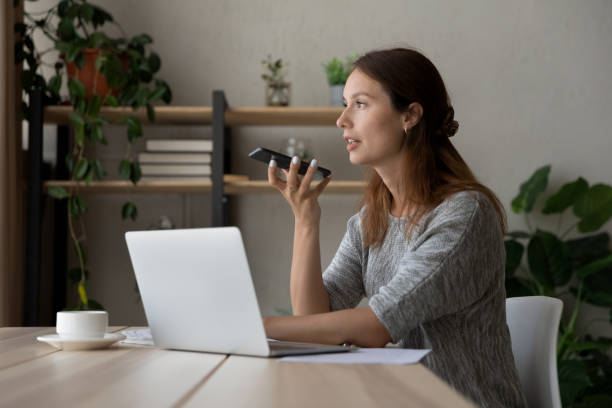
(343, 276)
(451, 266)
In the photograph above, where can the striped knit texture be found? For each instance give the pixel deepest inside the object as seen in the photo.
(442, 289)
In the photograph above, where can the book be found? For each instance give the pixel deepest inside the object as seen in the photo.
(228, 178)
(199, 158)
(176, 169)
(179, 145)
(175, 178)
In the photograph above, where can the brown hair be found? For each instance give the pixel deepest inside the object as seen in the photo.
(434, 170)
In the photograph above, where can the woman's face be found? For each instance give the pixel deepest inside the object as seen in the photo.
(373, 129)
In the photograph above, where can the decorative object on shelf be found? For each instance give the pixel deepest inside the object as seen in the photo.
(554, 262)
(128, 69)
(296, 147)
(277, 89)
(337, 73)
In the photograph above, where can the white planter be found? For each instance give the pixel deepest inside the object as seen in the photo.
(335, 95)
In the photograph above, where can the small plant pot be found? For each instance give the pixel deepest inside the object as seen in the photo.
(91, 77)
(278, 94)
(335, 95)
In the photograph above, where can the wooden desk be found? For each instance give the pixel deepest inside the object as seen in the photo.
(36, 374)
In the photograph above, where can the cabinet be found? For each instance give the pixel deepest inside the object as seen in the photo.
(222, 186)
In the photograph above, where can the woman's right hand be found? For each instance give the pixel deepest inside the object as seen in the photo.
(302, 199)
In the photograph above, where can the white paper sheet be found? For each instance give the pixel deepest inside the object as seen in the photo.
(138, 336)
(389, 355)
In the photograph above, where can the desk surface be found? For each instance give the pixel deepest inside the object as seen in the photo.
(130, 375)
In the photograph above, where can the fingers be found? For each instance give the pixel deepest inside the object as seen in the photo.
(272, 178)
(321, 186)
(305, 184)
(292, 176)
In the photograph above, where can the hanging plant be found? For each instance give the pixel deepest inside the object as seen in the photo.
(98, 70)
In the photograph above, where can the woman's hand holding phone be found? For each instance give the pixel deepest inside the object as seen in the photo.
(301, 198)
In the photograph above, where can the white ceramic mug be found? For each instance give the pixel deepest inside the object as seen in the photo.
(81, 324)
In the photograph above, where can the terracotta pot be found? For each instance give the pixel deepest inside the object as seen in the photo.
(87, 74)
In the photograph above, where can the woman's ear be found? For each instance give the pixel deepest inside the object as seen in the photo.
(412, 115)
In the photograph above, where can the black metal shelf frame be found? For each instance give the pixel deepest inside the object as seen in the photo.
(221, 164)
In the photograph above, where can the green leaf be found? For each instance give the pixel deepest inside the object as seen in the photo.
(98, 169)
(54, 84)
(573, 380)
(549, 260)
(57, 192)
(97, 40)
(157, 94)
(566, 197)
(81, 169)
(593, 267)
(125, 169)
(76, 88)
(150, 113)
(100, 17)
(83, 294)
(142, 39)
(168, 94)
(518, 287)
(601, 344)
(154, 62)
(588, 249)
(76, 119)
(74, 275)
(514, 254)
(93, 108)
(595, 401)
(136, 174)
(594, 208)
(134, 129)
(530, 190)
(69, 161)
(86, 12)
(129, 210)
(98, 134)
(111, 100)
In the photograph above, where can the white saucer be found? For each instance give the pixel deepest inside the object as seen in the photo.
(81, 344)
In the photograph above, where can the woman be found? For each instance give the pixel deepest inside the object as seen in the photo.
(426, 248)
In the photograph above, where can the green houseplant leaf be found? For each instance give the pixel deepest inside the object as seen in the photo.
(566, 197)
(594, 208)
(549, 259)
(514, 254)
(530, 190)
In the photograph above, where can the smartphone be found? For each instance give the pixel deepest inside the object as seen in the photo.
(283, 161)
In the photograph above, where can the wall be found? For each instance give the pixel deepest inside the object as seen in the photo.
(528, 80)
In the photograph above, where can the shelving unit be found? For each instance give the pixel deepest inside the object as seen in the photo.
(221, 187)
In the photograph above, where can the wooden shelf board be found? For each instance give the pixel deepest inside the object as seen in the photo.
(202, 115)
(233, 187)
(282, 116)
(164, 115)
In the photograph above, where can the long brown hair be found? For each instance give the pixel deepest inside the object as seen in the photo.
(434, 169)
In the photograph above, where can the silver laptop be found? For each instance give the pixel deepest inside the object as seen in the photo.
(198, 294)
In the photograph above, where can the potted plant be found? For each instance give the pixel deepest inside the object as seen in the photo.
(277, 89)
(122, 72)
(554, 262)
(337, 73)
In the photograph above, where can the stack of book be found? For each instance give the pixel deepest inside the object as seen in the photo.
(176, 160)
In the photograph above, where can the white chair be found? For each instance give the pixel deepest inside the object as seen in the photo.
(534, 322)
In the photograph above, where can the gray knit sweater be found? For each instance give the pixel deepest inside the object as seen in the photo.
(443, 289)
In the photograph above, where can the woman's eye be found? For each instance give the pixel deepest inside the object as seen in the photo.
(360, 104)
(344, 104)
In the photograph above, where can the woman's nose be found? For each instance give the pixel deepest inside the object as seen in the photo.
(341, 122)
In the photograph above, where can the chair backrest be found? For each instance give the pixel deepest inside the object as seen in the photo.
(534, 323)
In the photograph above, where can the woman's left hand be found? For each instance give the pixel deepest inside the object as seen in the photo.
(299, 195)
